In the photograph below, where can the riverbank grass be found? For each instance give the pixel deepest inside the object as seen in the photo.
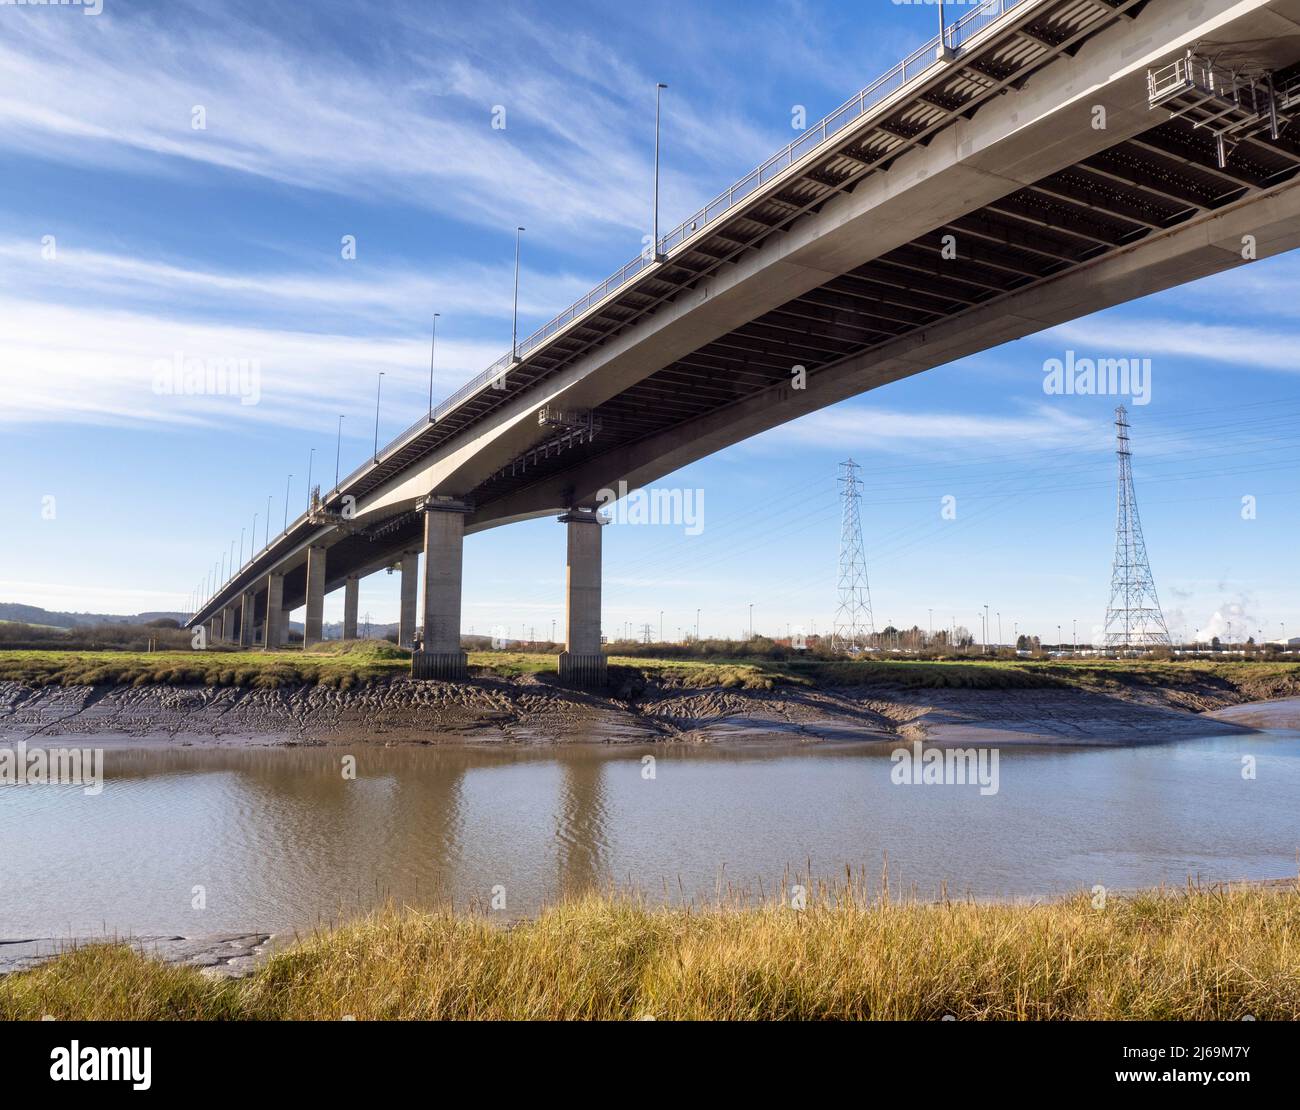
(1199, 954)
(343, 665)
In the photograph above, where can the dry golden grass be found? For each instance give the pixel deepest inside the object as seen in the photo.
(1192, 955)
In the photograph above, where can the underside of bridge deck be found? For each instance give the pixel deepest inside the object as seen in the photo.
(1099, 206)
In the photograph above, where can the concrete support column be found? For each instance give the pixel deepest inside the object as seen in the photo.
(444, 537)
(410, 595)
(247, 618)
(228, 624)
(351, 598)
(314, 623)
(276, 624)
(582, 662)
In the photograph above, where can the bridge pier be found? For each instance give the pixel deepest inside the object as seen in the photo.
(410, 595)
(314, 623)
(228, 624)
(351, 597)
(247, 618)
(444, 541)
(275, 625)
(582, 662)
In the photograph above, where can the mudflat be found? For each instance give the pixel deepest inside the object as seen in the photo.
(531, 709)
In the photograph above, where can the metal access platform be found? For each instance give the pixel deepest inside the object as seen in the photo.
(1231, 104)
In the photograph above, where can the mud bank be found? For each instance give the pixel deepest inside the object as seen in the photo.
(533, 710)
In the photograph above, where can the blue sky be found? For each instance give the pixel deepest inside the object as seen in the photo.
(330, 120)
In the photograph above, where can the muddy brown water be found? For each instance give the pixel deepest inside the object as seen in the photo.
(194, 841)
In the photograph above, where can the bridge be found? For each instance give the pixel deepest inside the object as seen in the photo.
(1039, 161)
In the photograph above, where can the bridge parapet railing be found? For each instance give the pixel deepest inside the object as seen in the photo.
(982, 14)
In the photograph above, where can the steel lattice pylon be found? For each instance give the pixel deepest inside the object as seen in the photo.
(1133, 618)
(854, 624)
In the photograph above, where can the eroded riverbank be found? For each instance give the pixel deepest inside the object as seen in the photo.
(531, 709)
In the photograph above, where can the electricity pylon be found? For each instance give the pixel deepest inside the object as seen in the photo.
(854, 624)
(1133, 618)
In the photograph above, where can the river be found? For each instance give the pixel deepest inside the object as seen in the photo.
(194, 841)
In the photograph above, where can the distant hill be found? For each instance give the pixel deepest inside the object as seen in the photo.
(34, 614)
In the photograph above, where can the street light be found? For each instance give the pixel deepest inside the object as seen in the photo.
(697, 626)
(311, 460)
(379, 387)
(433, 347)
(654, 240)
(287, 482)
(514, 318)
(338, 447)
(751, 620)
(268, 520)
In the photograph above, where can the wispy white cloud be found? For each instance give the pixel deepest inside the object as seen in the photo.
(100, 366)
(863, 427)
(346, 293)
(415, 130)
(1257, 348)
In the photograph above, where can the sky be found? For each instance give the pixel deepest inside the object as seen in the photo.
(305, 185)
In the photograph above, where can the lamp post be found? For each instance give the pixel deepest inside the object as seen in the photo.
(654, 240)
(338, 447)
(514, 317)
(379, 388)
(268, 520)
(311, 460)
(751, 620)
(287, 483)
(433, 347)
